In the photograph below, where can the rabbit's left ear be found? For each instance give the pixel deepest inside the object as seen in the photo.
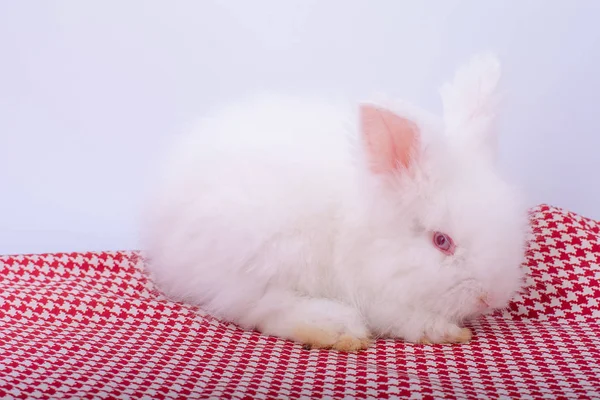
(390, 140)
(470, 103)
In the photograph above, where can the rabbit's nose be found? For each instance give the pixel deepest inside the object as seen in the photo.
(483, 299)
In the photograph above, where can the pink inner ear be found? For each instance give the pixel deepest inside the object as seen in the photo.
(389, 138)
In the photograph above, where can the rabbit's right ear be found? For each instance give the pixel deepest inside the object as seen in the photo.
(470, 103)
(390, 140)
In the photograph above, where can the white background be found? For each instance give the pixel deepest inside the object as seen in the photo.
(91, 90)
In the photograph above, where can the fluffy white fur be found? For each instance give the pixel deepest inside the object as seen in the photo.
(268, 216)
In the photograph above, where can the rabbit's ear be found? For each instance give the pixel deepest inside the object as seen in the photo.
(390, 140)
(470, 103)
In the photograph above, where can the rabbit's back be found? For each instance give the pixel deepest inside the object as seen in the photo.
(253, 195)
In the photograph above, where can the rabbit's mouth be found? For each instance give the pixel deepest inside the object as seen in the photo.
(464, 300)
(480, 305)
(484, 305)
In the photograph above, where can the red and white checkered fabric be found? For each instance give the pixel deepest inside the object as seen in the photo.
(91, 326)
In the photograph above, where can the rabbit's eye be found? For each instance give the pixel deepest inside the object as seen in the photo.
(443, 242)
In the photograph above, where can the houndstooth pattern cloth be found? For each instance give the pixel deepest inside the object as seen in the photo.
(92, 326)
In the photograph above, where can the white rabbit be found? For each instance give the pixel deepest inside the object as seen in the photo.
(331, 225)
